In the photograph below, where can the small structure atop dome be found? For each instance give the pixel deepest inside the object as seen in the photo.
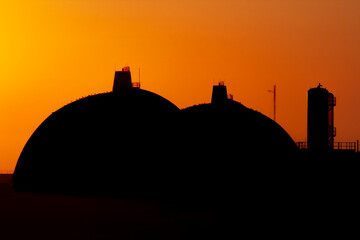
(122, 80)
(219, 94)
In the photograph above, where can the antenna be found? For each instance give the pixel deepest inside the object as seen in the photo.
(274, 103)
(274, 92)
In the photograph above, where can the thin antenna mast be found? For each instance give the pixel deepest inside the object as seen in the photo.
(274, 92)
(274, 103)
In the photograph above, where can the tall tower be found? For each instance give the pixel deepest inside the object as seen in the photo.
(321, 131)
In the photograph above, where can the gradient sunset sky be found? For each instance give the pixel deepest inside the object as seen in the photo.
(56, 51)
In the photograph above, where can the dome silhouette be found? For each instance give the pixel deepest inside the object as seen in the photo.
(229, 127)
(97, 142)
(132, 142)
(232, 148)
(232, 124)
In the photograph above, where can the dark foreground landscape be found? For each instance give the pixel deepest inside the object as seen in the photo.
(303, 199)
(41, 216)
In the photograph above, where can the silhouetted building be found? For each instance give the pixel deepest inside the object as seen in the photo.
(122, 80)
(132, 142)
(219, 94)
(321, 131)
(236, 128)
(111, 142)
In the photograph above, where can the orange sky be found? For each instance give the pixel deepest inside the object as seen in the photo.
(55, 51)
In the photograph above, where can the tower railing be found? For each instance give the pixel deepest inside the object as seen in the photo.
(332, 131)
(332, 101)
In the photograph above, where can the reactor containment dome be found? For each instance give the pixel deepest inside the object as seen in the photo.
(132, 142)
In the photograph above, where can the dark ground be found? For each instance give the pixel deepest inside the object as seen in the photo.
(282, 200)
(40, 216)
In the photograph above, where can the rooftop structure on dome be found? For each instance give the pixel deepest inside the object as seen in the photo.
(122, 80)
(219, 94)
